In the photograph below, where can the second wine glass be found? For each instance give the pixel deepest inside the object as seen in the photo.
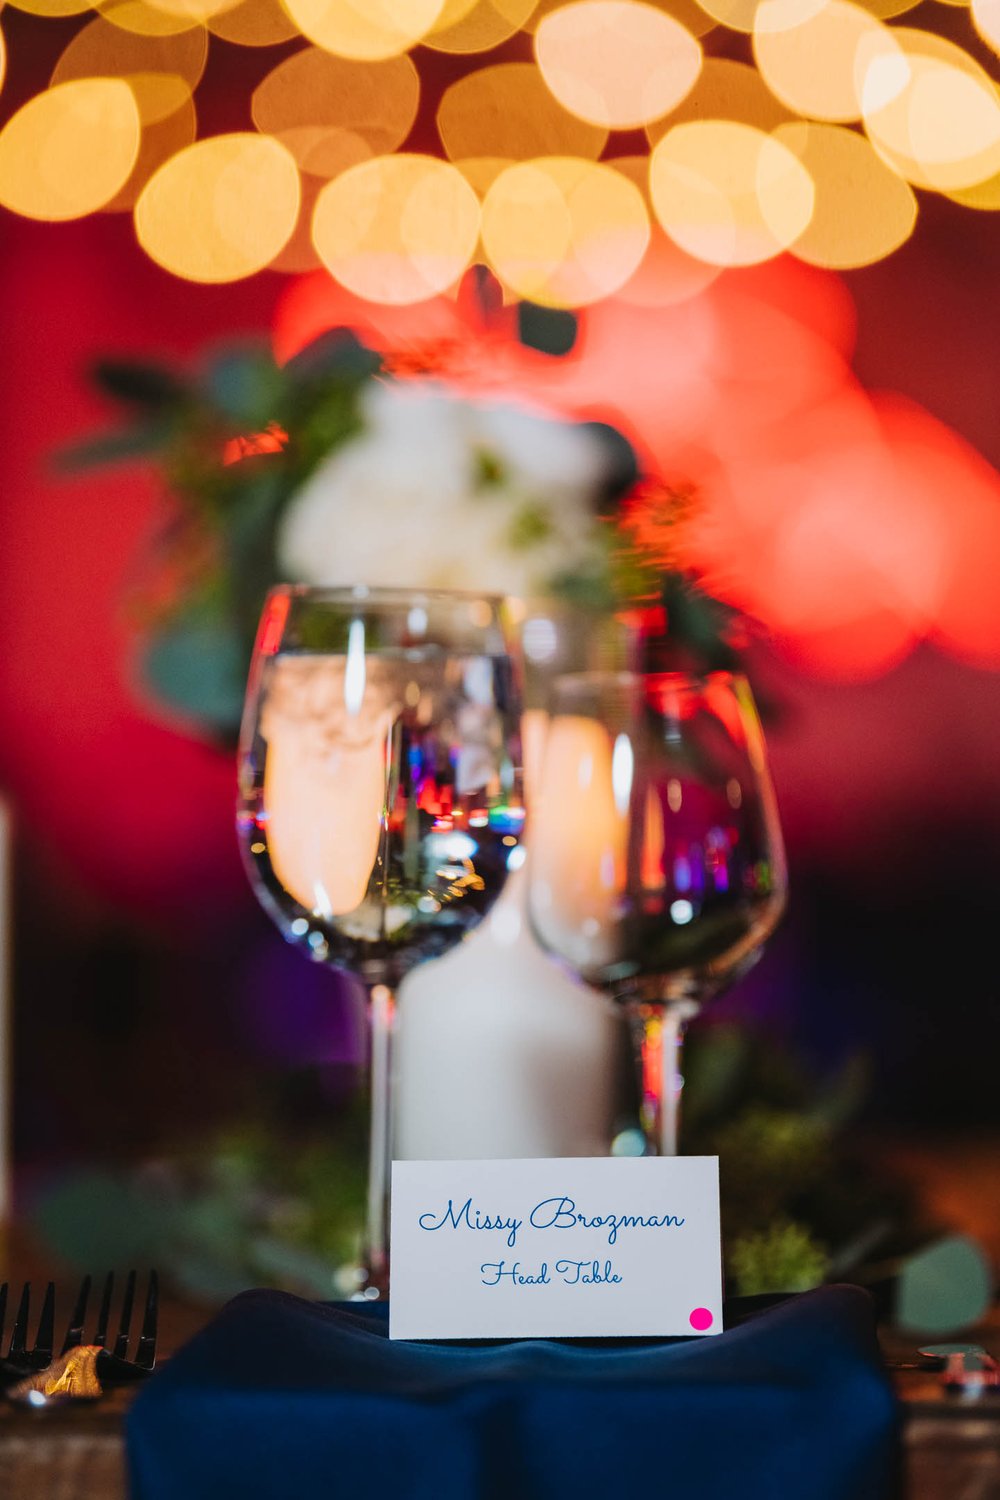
(380, 796)
(657, 870)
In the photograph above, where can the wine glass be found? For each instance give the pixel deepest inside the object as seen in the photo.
(657, 869)
(380, 797)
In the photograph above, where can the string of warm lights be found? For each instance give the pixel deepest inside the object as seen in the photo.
(814, 149)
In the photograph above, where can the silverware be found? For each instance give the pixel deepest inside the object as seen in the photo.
(82, 1368)
(19, 1359)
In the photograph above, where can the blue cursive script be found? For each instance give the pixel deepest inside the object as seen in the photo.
(572, 1272)
(472, 1218)
(561, 1213)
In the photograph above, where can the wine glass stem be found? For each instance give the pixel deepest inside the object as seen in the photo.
(658, 1031)
(381, 1014)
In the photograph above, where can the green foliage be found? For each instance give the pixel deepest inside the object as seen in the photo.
(797, 1197)
(233, 442)
(782, 1258)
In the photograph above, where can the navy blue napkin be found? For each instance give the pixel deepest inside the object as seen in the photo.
(279, 1399)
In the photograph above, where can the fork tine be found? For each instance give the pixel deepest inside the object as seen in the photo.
(74, 1333)
(45, 1337)
(101, 1336)
(19, 1337)
(145, 1354)
(121, 1342)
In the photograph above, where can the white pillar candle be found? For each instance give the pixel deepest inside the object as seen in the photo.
(500, 1054)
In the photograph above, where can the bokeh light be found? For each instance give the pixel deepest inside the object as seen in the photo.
(220, 209)
(729, 194)
(563, 231)
(397, 229)
(931, 111)
(862, 212)
(617, 63)
(665, 275)
(159, 142)
(254, 23)
(146, 19)
(333, 113)
(366, 30)
(477, 25)
(162, 71)
(507, 111)
(69, 150)
(986, 19)
(726, 90)
(52, 7)
(812, 65)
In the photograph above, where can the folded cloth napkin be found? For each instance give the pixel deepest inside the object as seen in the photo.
(279, 1399)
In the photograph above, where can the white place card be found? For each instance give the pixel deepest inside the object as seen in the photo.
(575, 1247)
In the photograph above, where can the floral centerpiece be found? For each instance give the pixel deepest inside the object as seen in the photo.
(337, 468)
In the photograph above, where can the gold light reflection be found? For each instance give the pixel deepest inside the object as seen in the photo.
(982, 195)
(160, 141)
(477, 26)
(726, 90)
(397, 229)
(618, 63)
(67, 152)
(863, 211)
(563, 231)
(194, 12)
(481, 172)
(3, 59)
(52, 7)
(145, 20)
(986, 19)
(812, 66)
(254, 23)
(241, 191)
(162, 71)
(729, 194)
(507, 110)
(687, 12)
(666, 275)
(312, 93)
(932, 112)
(366, 30)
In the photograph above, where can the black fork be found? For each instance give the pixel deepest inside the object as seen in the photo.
(114, 1360)
(19, 1360)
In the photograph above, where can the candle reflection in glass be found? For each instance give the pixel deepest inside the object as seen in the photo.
(657, 866)
(380, 796)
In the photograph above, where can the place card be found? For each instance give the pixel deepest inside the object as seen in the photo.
(574, 1247)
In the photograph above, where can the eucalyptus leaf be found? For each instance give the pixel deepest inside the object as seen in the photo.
(550, 330)
(97, 1218)
(246, 386)
(337, 355)
(199, 668)
(124, 445)
(945, 1287)
(139, 383)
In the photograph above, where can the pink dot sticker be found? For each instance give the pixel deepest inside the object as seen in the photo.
(701, 1319)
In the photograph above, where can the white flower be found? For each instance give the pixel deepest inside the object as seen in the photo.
(441, 492)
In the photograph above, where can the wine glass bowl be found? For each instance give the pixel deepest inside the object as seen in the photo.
(380, 791)
(657, 870)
